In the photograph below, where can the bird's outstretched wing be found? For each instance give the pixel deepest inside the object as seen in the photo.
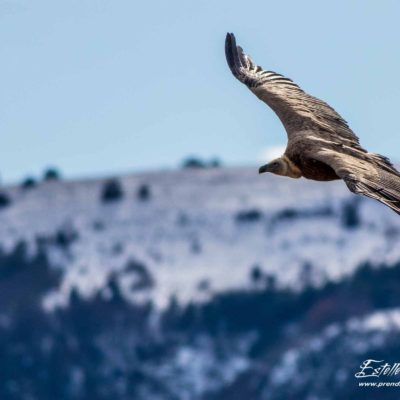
(297, 110)
(364, 177)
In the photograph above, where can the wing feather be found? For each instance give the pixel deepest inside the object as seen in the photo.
(365, 177)
(297, 110)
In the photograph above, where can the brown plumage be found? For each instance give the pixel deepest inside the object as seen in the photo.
(321, 146)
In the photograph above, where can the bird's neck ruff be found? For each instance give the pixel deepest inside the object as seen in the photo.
(292, 170)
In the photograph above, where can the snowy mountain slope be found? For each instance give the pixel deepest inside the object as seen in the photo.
(200, 284)
(341, 349)
(201, 231)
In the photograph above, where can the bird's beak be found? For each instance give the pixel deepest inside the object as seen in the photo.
(263, 169)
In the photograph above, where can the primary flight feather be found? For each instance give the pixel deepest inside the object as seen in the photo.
(321, 146)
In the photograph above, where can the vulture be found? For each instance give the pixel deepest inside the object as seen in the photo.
(321, 146)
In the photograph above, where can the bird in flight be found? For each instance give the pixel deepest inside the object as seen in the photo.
(321, 146)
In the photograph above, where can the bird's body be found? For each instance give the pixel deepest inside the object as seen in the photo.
(311, 168)
(321, 146)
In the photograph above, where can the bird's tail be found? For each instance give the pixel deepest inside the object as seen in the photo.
(385, 188)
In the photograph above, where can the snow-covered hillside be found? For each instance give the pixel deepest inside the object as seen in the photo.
(201, 231)
(197, 284)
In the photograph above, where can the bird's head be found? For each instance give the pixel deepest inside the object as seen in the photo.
(281, 166)
(278, 166)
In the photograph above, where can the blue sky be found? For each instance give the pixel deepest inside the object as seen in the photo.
(106, 86)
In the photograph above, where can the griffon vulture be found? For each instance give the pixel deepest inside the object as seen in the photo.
(321, 146)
